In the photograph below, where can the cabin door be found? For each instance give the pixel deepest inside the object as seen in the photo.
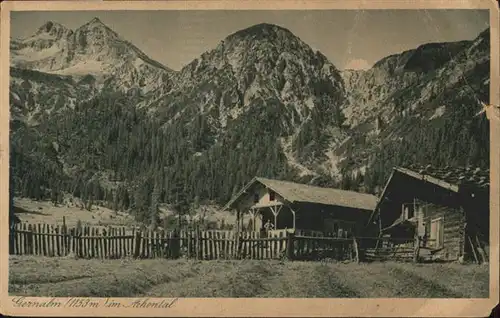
(420, 221)
(437, 232)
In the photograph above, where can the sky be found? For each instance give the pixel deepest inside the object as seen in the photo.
(349, 38)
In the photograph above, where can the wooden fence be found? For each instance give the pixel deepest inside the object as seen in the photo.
(113, 242)
(388, 248)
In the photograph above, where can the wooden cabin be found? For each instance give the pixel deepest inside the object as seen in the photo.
(294, 206)
(446, 209)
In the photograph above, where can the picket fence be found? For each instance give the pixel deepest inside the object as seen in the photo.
(120, 242)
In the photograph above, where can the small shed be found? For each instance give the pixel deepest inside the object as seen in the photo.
(446, 208)
(294, 206)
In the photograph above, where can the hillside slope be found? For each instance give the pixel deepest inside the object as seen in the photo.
(262, 102)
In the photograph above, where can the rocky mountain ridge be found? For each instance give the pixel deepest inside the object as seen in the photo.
(262, 102)
(91, 50)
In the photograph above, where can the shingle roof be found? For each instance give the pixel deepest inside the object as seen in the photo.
(449, 177)
(457, 176)
(296, 192)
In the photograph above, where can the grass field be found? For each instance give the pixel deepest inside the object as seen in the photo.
(44, 212)
(31, 211)
(62, 277)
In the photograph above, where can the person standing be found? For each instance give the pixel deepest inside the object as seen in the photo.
(268, 226)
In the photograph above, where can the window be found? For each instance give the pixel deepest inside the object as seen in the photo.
(420, 214)
(272, 195)
(255, 198)
(409, 210)
(437, 233)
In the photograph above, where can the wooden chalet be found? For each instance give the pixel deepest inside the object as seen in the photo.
(294, 206)
(445, 210)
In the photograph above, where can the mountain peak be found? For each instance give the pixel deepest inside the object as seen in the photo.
(95, 23)
(95, 20)
(268, 26)
(53, 28)
(262, 29)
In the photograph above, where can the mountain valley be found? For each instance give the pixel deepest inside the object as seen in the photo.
(94, 116)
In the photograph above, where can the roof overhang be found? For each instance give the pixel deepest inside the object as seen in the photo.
(254, 180)
(287, 199)
(424, 177)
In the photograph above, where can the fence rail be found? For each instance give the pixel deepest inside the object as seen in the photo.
(119, 242)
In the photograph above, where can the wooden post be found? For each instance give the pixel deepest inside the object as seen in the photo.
(254, 226)
(356, 249)
(124, 242)
(276, 212)
(290, 246)
(80, 243)
(30, 239)
(83, 242)
(118, 245)
(58, 240)
(237, 237)
(53, 237)
(16, 239)
(482, 252)
(64, 231)
(105, 243)
(93, 242)
(176, 245)
(239, 246)
(238, 220)
(189, 244)
(473, 249)
(198, 244)
(137, 247)
(294, 218)
(11, 239)
(90, 242)
(70, 241)
(36, 240)
(416, 250)
(252, 215)
(273, 210)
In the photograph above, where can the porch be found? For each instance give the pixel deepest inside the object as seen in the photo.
(300, 220)
(281, 216)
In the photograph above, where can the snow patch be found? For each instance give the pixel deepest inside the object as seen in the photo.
(235, 112)
(138, 62)
(332, 162)
(95, 68)
(72, 102)
(29, 54)
(438, 112)
(16, 97)
(309, 102)
(252, 91)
